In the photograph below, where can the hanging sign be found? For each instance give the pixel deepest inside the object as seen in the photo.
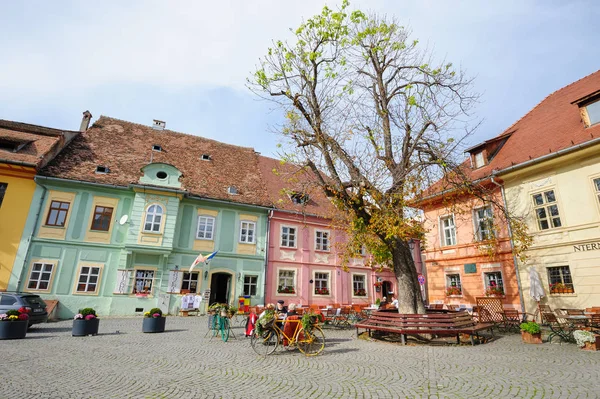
(206, 295)
(421, 279)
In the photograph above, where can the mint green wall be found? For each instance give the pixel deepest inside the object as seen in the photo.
(124, 251)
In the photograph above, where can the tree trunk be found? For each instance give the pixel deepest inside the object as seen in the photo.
(410, 300)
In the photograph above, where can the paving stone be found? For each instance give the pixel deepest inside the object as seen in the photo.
(185, 362)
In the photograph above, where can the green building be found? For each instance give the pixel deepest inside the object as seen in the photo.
(121, 214)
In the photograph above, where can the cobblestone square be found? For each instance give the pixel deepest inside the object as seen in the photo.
(183, 363)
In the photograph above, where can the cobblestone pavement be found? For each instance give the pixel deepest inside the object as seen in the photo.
(183, 363)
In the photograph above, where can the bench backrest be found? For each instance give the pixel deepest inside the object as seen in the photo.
(433, 320)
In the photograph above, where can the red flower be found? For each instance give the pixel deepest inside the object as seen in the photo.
(23, 316)
(23, 309)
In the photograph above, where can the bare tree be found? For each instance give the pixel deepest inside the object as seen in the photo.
(375, 118)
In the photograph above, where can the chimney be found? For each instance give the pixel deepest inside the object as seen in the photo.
(159, 125)
(85, 121)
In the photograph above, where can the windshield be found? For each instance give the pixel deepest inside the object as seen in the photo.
(34, 300)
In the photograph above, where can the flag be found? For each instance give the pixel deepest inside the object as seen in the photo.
(202, 259)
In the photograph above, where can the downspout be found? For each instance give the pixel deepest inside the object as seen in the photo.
(269, 216)
(512, 244)
(35, 227)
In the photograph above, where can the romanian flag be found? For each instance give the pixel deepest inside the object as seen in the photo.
(202, 259)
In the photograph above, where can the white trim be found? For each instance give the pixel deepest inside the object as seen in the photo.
(81, 265)
(546, 205)
(248, 229)
(295, 280)
(328, 238)
(153, 223)
(475, 221)
(296, 230)
(212, 231)
(485, 287)
(314, 285)
(442, 232)
(365, 284)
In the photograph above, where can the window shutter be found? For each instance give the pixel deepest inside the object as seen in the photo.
(123, 283)
(175, 278)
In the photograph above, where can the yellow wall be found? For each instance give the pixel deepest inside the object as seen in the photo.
(96, 235)
(247, 249)
(57, 233)
(13, 214)
(570, 177)
(205, 245)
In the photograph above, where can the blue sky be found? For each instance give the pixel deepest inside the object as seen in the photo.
(186, 62)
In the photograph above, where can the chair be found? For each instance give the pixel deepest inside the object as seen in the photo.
(314, 307)
(595, 322)
(510, 320)
(575, 312)
(541, 310)
(336, 306)
(290, 328)
(299, 311)
(343, 318)
(437, 306)
(561, 330)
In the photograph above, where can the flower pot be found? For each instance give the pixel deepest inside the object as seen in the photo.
(13, 329)
(223, 313)
(592, 346)
(529, 338)
(154, 324)
(82, 327)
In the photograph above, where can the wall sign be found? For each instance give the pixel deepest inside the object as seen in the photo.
(594, 246)
(470, 268)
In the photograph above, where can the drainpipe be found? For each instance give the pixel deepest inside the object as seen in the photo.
(512, 244)
(35, 226)
(270, 215)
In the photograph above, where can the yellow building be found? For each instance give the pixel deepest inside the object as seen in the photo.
(555, 185)
(24, 149)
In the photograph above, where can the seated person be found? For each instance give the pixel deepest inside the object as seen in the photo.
(395, 302)
(383, 304)
(280, 311)
(292, 310)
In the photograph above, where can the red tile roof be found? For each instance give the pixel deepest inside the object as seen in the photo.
(554, 124)
(126, 147)
(39, 143)
(282, 179)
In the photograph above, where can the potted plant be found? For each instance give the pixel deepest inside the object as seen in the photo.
(494, 291)
(557, 288)
(531, 332)
(587, 340)
(14, 323)
(286, 290)
(452, 291)
(85, 322)
(322, 291)
(154, 321)
(360, 292)
(309, 319)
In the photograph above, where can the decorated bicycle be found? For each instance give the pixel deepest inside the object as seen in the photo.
(220, 324)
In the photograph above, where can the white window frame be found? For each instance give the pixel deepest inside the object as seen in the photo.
(189, 280)
(154, 215)
(247, 238)
(546, 207)
(322, 243)
(144, 279)
(87, 280)
(40, 272)
(354, 285)
(596, 103)
(293, 277)
(479, 160)
(250, 285)
(206, 233)
(286, 242)
(486, 279)
(489, 219)
(318, 282)
(596, 188)
(448, 281)
(443, 229)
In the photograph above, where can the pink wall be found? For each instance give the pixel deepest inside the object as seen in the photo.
(304, 260)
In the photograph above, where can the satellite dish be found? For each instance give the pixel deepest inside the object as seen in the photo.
(123, 220)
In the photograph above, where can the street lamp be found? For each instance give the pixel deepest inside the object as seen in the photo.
(411, 244)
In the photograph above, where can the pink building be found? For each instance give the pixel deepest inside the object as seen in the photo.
(304, 264)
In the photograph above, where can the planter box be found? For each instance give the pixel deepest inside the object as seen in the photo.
(154, 325)
(13, 329)
(531, 338)
(592, 346)
(82, 327)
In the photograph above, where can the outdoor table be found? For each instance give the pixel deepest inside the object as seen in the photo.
(574, 319)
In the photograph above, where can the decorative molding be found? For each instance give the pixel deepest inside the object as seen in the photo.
(321, 258)
(452, 269)
(491, 265)
(541, 183)
(287, 255)
(358, 261)
(448, 251)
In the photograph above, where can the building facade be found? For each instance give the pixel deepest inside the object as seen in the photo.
(24, 149)
(119, 226)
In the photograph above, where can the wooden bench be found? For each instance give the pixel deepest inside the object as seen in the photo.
(447, 324)
(188, 312)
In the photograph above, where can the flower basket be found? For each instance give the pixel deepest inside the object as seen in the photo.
(15, 329)
(360, 292)
(286, 290)
(494, 291)
(322, 291)
(452, 291)
(154, 321)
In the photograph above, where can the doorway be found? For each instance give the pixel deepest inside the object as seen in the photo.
(387, 290)
(220, 286)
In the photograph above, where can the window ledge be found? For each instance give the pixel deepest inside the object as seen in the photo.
(54, 227)
(156, 233)
(323, 251)
(323, 295)
(284, 247)
(563, 295)
(204, 239)
(454, 296)
(283, 294)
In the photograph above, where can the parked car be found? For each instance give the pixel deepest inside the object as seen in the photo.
(16, 300)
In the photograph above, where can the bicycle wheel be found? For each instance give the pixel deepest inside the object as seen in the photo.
(224, 327)
(266, 343)
(215, 325)
(311, 343)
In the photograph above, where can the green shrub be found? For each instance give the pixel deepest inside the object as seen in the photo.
(12, 312)
(531, 327)
(378, 302)
(87, 311)
(155, 310)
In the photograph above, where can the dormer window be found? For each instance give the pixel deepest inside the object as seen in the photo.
(156, 148)
(593, 113)
(102, 170)
(478, 160)
(12, 145)
(299, 198)
(232, 190)
(161, 175)
(205, 157)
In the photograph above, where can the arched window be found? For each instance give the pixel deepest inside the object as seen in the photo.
(153, 218)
